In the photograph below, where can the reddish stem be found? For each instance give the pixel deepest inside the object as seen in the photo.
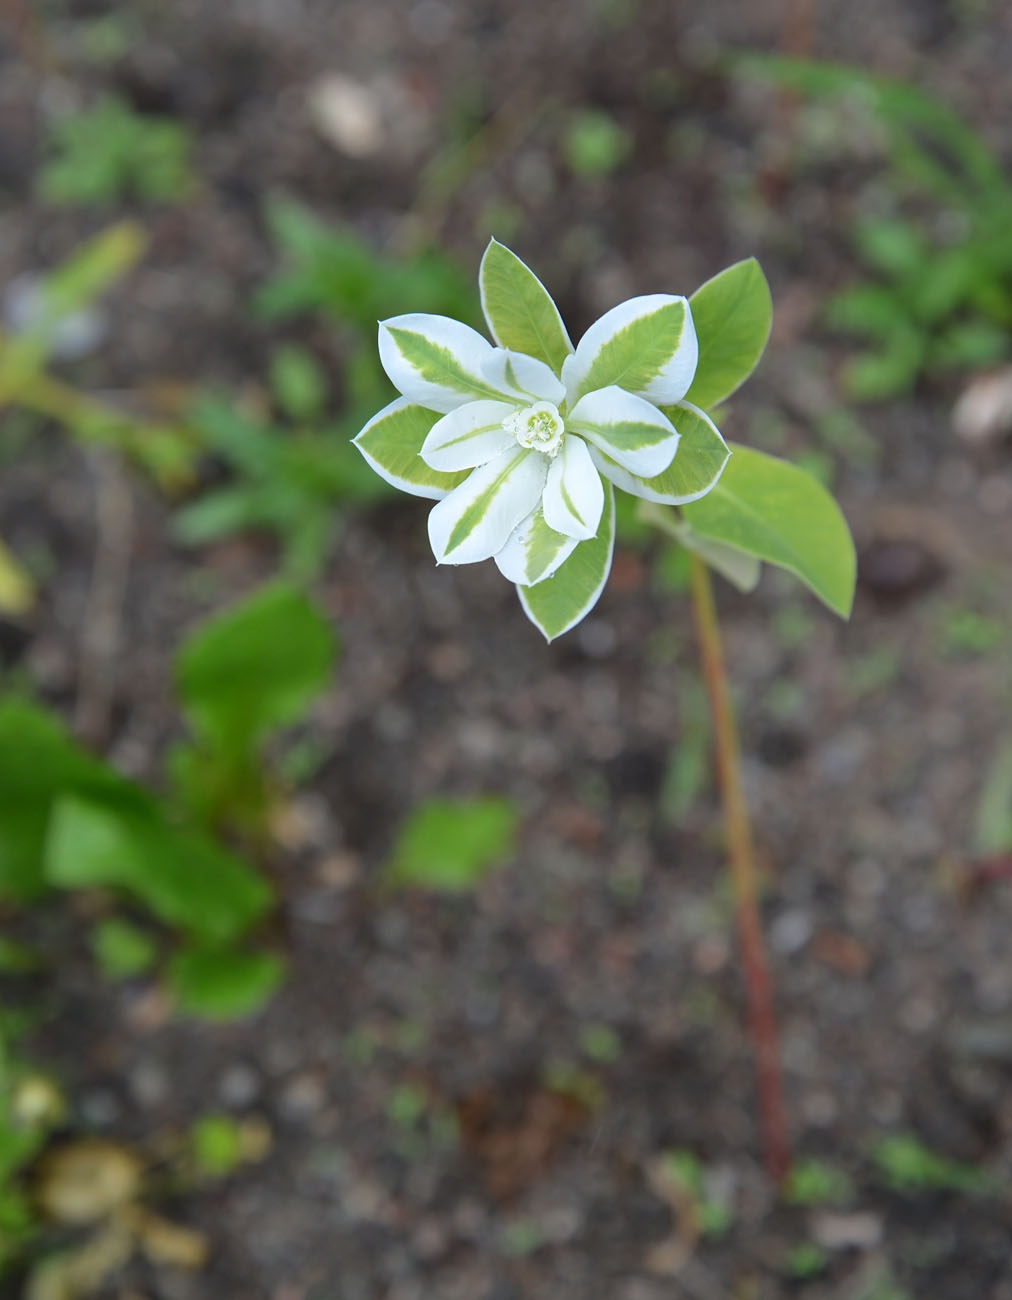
(739, 836)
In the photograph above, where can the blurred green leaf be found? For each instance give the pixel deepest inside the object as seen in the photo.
(184, 878)
(91, 270)
(256, 666)
(814, 1182)
(907, 1165)
(109, 151)
(225, 983)
(891, 245)
(40, 764)
(594, 144)
(993, 821)
(333, 269)
(298, 383)
(122, 949)
(216, 1143)
(450, 844)
(870, 309)
(17, 591)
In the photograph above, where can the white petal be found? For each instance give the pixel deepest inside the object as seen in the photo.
(468, 436)
(646, 346)
(475, 520)
(627, 428)
(435, 361)
(534, 551)
(526, 376)
(574, 493)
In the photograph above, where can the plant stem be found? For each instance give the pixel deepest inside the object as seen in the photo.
(743, 874)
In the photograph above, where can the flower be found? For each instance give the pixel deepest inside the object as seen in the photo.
(521, 444)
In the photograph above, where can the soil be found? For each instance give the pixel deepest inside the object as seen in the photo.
(893, 983)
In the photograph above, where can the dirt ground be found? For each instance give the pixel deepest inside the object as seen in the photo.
(894, 988)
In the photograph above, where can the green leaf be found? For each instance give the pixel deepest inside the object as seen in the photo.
(122, 949)
(519, 309)
(185, 879)
(732, 313)
(390, 443)
(256, 666)
(777, 512)
(558, 603)
(449, 844)
(224, 983)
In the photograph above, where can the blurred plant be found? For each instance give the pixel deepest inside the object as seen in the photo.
(335, 271)
(907, 1165)
(243, 676)
(286, 481)
(449, 845)
(31, 1106)
(813, 1182)
(122, 949)
(943, 298)
(522, 444)
(594, 144)
(110, 152)
(993, 820)
(70, 821)
(56, 307)
(968, 631)
(804, 1260)
(683, 1179)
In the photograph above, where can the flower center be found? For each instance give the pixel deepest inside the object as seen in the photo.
(539, 427)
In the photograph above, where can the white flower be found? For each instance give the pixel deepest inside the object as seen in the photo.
(521, 443)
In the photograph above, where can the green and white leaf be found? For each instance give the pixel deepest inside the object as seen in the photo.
(559, 603)
(740, 568)
(534, 551)
(733, 313)
(699, 461)
(391, 443)
(471, 435)
(475, 521)
(781, 514)
(519, 309)
(574, 494)
(435, 361)
(646, 346)
(628, 429)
